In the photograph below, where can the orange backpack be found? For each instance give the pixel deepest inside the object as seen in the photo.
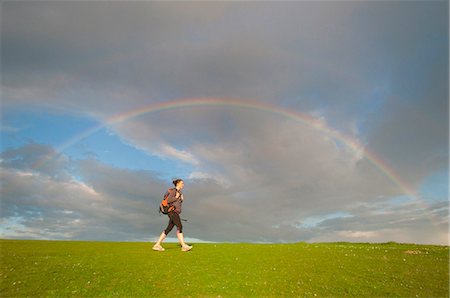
(165, 207)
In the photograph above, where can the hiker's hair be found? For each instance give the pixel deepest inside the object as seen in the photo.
(176, 181)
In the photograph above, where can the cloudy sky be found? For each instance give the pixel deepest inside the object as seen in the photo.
(374, 75)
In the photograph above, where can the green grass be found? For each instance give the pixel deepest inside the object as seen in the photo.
(59, 268)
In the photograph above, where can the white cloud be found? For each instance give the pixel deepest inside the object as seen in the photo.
(171, 152)
(359, 234)
(9, 129)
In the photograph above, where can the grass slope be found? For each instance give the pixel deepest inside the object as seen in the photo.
(58, 268)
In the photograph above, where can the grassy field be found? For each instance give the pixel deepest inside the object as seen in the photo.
(59, 268)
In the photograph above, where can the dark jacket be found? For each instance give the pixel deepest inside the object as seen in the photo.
(171, 199)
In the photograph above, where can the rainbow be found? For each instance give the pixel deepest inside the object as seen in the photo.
(306, 119)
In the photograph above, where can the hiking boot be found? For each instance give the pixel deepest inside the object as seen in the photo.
(186, 248)
(158, 247)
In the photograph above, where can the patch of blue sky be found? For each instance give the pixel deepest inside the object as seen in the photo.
(339, 144)
(55, 130)
(39, 126)
(11, 225)
(435, 187)
(392, 203)
(313, 221)
(400, 200)
(110, 149)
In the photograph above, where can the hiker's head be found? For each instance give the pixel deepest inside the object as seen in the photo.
(179, 183)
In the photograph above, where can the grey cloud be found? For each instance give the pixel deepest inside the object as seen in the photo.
(262, 51)
(411, 130)
(308, 56)
(375, 216)
(34, 156)
(381, 221)
(47, 207)
(119, 204)
(417, 139)
(109, 204)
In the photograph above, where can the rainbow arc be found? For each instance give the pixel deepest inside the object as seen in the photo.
(306, 119)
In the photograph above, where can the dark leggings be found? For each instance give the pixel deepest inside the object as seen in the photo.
(174, 221)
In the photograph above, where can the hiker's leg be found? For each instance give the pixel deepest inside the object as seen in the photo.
(170, 225)
(184, 246)
(177, 221)
(181, 238)
(161, 238)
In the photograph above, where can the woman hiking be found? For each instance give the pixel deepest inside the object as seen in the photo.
(175, 198)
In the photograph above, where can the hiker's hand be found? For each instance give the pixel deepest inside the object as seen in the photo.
(182, 198)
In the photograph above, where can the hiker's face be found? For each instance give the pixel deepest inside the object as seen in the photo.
(180, 185)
